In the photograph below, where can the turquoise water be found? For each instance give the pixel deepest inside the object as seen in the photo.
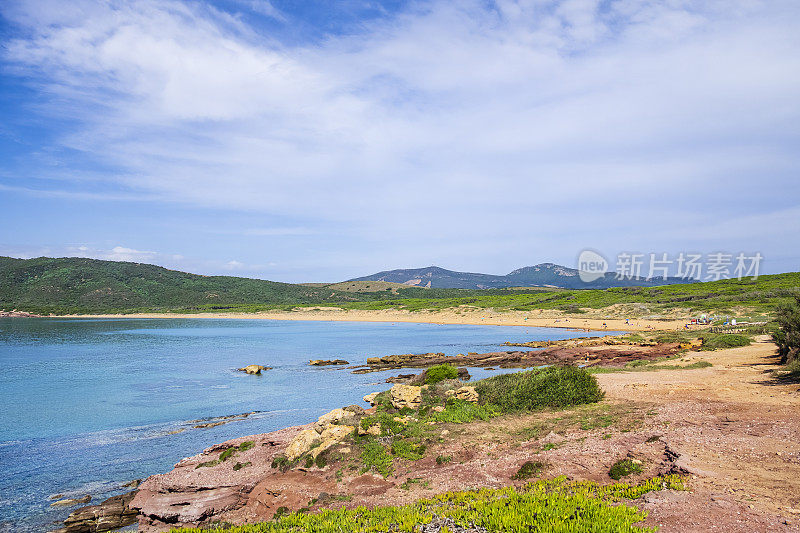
(89, 404)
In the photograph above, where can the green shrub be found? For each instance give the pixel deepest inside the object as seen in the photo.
(529, 469)
(624, 467)
(227, 454)
(443, 459)
(788, 336)
(282, 463)
(438, 373)
(723, 341)
(561, 386)
(321, 461)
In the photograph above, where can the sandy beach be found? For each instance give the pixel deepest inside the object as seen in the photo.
(487, 317)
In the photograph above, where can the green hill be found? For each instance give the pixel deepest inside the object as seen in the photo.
(77, 285)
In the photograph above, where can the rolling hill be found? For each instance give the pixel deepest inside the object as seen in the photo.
(78, 285)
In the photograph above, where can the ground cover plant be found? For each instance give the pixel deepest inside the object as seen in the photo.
(556, 505)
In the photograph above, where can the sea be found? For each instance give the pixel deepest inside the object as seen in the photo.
(87, 405)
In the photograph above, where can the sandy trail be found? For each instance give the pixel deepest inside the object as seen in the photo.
(536, 318)
(737, 430)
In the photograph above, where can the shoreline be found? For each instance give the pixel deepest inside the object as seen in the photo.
(487, 318)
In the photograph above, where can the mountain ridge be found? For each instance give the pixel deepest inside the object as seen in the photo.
(539, 275)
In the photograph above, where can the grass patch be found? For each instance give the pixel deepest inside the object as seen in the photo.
(585, 417)
(226, 454)
(461, 412)
(408, 450)
(624, 467)
(559, 387)
(547, 505)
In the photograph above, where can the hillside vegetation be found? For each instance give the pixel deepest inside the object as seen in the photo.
(78, 285)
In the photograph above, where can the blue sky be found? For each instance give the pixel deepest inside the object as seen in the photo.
(318, 141)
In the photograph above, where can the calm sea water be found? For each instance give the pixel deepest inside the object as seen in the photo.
(87, 405)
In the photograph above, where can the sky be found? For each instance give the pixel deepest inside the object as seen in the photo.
(320, 141)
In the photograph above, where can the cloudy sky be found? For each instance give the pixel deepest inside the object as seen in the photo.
(301, 141)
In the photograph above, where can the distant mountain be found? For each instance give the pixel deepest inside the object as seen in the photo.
(541, 275)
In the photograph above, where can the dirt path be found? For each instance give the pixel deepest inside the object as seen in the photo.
(737, 431)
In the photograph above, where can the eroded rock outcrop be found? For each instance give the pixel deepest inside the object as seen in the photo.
(406, 396)
(113, 513)
(329, 429)
(465, 393)
(327, 362)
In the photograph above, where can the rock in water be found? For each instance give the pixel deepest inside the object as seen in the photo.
(254, 369)
(112, 513)
(327, 362)
(71, 501)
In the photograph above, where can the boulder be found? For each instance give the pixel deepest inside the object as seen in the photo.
(302, 443)
(332, 417)
(406, 396)
(331, 436)
(347, 416)
(254, 369)
(464, 393)
(327, 362)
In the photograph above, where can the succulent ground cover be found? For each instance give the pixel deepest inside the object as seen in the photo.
(556, 505)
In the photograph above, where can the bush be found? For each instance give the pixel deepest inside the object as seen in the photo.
(723, 341)
(529, 469)
(788, 336)
(438, 373)
(561, 386)
(624, 467)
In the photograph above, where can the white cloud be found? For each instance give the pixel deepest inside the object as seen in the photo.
(449, 126)
(120, 253)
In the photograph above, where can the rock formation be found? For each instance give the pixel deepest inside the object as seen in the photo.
(327, 362)
(113, 513)
(254, 369)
